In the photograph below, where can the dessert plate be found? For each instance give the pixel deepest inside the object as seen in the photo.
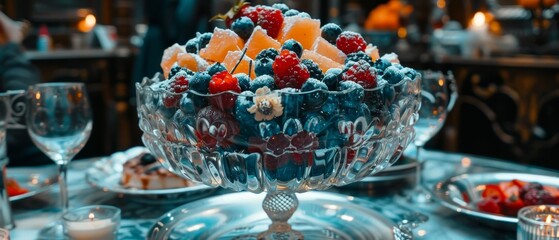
(239, 216)
(33, 180)
(106, 174)
(461, 193)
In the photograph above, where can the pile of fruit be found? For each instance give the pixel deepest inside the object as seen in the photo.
(276, 80)
(507, 198)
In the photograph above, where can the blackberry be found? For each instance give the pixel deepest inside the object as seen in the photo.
(313, 68)
(376, 102)
(270, 53)
(216, 68)
(263, 66)
(360, 55)
(243, 27)
(537, 197)
(174, 70)
(332, 78)
(293, 46)
(192, 45)
(353, 94)
(262, 81)
(330, 32)
(381, 64)
(204, 39)
(291, 13)
(314, 93)
(393, 75)
(281, 6)
(244, 81)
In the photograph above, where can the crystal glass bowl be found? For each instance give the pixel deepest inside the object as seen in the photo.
(279, 141)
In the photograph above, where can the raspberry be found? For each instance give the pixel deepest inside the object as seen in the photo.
(243, 27)
(313, 68)
(288, 70)
(179, 84)
(330, 32)
(269, 18)
(270, 53)
(293, 46)
(361, 72)
(224, 82)
(350, 42)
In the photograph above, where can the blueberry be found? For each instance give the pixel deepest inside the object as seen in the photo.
(332, 138)
(304, 15)
(204, 39)
(293, 46)
(393, 75)
(331, 106)
(270, 53)
(352, 114)
(332, 78)
(243, 27)
(147, 159)
(292, 102)
(353, 94)
(381, 64)
(244, 81)
(262, 81)
(313, 68)
(244, 101)
(199, 83)
(216, 68)
(360, 55)
(192, 45)
(291, 13)
(263, 66)
(330, 32)
(186, 105)
(409, 72)
(281, 6)
(314, 93)
(268, 129)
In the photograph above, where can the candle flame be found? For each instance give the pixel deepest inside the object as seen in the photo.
(479, 19)
(548, 219)
(91, 216)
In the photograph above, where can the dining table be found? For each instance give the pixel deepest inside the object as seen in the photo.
(139, 214)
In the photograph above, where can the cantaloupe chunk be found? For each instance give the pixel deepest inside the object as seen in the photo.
(372, 51)
(323, 62)
(231, 60)
(222, 41)
(303, 30)
(192, 62)
(170, 57)
(259, 41)
(324, 48)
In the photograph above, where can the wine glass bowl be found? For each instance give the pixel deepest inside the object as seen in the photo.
(317, 139)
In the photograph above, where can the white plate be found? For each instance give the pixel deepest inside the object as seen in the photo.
(35, 181)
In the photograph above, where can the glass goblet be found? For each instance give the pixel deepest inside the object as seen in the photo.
(59, 122)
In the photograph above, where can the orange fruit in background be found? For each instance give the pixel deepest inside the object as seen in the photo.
(170, 57)
(324, 48)
(231, 60)
(323, 62)
(303, 30)
(222, 41)
(536, 3)
(259, 41)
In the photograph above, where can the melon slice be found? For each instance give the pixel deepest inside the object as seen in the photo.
(222, 41)
(373, 52)
(170, 57)
(192, 62)
(323, 62)
(303, 30)
(324, 48)
(231, 60)
(258, 41)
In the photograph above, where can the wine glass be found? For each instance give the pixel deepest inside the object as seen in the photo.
(438, 95)
(59, 122)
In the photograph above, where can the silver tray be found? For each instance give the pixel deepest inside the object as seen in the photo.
(240, 216)
(451, 193)
(106, 174)
(33, 180)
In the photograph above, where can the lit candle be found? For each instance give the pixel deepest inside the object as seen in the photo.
(101, 223)
(538, 223)
(479, 34)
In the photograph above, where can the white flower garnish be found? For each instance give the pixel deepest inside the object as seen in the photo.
(267, 105)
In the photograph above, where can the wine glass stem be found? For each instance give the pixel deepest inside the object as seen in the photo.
(419, 169)
(62, 177)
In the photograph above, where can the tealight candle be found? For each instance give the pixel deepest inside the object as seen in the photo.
(538, 223)
(92, 222)
(4, 234)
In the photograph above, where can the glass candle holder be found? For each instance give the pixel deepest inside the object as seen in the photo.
(92, 222)
(538, 223)
(4, 234)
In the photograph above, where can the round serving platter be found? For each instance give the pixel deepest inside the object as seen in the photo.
(33, 180)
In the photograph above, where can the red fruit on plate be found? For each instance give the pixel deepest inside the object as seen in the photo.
(519, 183)
(489, 205)
(224, 82)
(493, 191)
(512, 205)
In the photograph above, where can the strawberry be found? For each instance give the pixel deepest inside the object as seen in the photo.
(362, 73)
(289, 71)
(493, 191)
(237, 11)
(224, 82)
(179, 84)
(489, 205)
(351, 42)
(512, 205)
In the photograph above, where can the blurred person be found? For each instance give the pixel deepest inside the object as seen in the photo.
(17, 73)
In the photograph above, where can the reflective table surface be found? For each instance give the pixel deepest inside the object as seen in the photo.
(138, 215)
